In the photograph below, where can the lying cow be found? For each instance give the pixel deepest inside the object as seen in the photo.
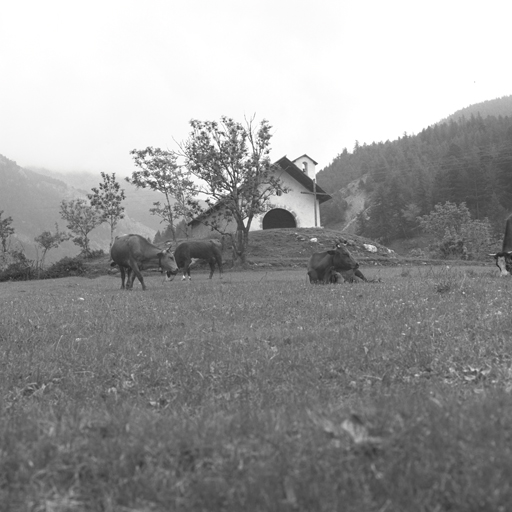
(130, 252)
(503, 259)
(322, 265)
(348, 276)
(188, 252)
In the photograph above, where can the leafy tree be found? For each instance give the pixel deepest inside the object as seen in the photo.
(82, 218)
(478, 238)
(443, 217)
(410, 214)
(160, 171)
(48, 240)
(6, 230)
(457, 234)
(107, 199)
(232, 162)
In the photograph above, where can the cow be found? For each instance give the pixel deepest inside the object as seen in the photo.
(348, 276)
(323, 265)
(130, 252)
(188, 252)
(503, 259)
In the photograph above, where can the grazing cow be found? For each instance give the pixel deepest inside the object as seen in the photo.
(187, 252)
(503, 259)
(130, 252)
(322, 265)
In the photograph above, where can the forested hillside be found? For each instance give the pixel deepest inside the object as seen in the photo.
(464, 159)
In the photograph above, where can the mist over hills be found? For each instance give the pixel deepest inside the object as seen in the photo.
(33, 200)
(137, 202)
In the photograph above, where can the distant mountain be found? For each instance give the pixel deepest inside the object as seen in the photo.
(33, 201)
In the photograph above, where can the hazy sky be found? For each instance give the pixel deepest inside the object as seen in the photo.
(83, 83)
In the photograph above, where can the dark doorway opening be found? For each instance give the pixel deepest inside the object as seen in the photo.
(279, 218)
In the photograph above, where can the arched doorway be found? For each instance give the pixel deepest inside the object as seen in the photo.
(279, 218)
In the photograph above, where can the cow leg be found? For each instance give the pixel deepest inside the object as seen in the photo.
(359, 274)
(211, 262)
(329, 276)
(123, 276)
(136, 272)
(186, 269)
(219, 264)
(313, 277)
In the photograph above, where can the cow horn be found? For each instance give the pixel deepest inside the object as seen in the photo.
(493, 255)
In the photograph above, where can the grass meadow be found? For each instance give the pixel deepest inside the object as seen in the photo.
(258, 392)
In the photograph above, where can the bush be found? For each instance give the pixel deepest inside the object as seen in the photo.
(64, 268)
(98, 253)
(19, 271)
(458, 236)
(18, 267)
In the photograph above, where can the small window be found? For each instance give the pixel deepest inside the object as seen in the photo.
(305, 167)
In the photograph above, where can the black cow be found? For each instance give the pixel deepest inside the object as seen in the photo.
(132, 251)
(187, 252)
(323, 265)
(503, 259)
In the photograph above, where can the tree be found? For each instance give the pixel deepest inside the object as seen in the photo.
(48, 240)
(456, 233)
(443, 217)
(232, 162)
(82, 218)
(160, 171)
(107, 199)
(5, 230)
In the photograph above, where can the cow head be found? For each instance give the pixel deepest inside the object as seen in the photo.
(167, 262)
(503, 261)
(341, 258)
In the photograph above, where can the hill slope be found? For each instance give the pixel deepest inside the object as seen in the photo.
(33, 201)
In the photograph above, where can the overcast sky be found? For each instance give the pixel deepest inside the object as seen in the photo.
(83, 83)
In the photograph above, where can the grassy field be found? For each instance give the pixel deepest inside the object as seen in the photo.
(258, 392)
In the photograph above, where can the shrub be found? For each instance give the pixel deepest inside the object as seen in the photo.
(64, 268)
(458, 236)
(19, 271)
(18, 267)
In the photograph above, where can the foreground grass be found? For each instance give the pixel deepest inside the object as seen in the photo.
(258, 392)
